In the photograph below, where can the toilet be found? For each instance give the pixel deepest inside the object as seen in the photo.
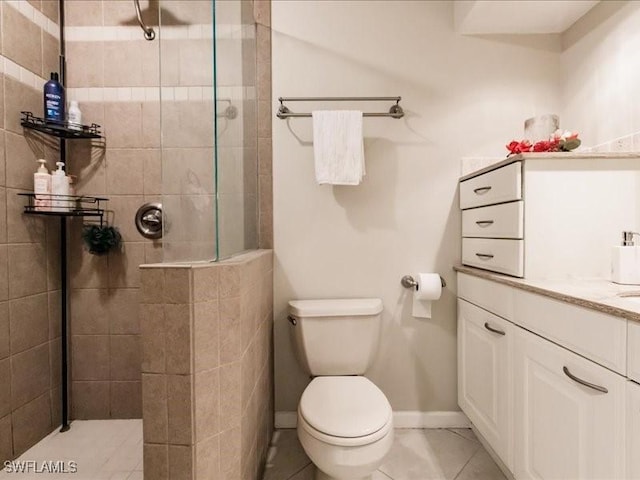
(345, 422)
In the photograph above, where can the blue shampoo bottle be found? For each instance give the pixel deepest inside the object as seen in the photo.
(54, 101)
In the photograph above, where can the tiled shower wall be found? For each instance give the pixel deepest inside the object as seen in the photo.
(114, 76)
(29, 257)
(208, 368)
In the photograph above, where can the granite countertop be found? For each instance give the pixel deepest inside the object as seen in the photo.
(547, 155)
(593, 293)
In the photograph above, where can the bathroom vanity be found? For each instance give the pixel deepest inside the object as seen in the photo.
(547, 374)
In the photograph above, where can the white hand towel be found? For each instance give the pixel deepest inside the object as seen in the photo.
(338, 147)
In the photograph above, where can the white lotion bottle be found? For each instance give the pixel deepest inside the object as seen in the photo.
(625, 261)
(74, 116)
(42, 187)
(60, 190)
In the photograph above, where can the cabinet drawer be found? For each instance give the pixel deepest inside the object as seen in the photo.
(633, 353)
(597, 336)
(497, 221)
(504, 256)
(500, 185)
(492, 296)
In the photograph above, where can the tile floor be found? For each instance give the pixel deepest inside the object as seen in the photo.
(417, 454)
(102, 450)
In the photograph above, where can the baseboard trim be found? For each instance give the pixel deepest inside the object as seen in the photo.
(401, 419)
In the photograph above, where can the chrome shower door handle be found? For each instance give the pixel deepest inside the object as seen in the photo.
(149, 33)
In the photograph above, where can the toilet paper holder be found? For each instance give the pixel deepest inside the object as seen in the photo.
(409, 282)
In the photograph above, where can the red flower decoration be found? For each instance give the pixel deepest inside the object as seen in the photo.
(519, 147)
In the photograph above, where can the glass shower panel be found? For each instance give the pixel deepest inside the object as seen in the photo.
(187, 95)
(209, 131)
(236, 127)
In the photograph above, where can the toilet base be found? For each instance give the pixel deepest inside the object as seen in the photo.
(320, 475)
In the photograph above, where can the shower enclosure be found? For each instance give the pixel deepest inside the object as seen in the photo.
(208, 124)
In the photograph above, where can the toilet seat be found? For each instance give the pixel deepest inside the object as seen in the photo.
(345, 410)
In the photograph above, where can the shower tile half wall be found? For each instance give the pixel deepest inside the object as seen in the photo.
(207, 371)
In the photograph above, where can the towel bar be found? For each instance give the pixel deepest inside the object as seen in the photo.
(394, 112)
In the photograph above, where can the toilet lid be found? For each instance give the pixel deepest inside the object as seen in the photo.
(347, 406)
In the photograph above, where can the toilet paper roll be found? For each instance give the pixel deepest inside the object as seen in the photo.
(429, 289)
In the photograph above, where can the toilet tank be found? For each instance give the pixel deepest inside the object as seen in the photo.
(336, 336)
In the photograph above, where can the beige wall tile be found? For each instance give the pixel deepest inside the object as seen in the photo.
(3, 165)
(118, 13)
(180, 462)
(5, 393)
(27, 270)
(50, 9)
(178, 328)
(86, 270)
(88, 165)
(4, 276)
(262, 12)
(29, 375)
(21, 157)
(230, 454)
(125, 171)
(6, 440)
(126, 399)
(124, 265)
(180, 408)
(230, 330)
(125, 357)
(152, 283)
(50, 55)
(206, 337)
(83, 14)
(29, 323)
(88, 309)
(207, 404)
(264, 118)
(156, 462)
(177, 284)
(229, 281)
(153, 338)
(153, 251)
(123, 124)
(55, 362)
(154, 409)
(196, 11)
(152, 173)
(90, 400)
(4, 330)
(18, 228)
(90, 357)
(205, 283)
(151, 125)
(265, 156)
(187, 124)
(85, 64)
(124, 311)
(15, 29)
(55, 313)
(19, 97)
(230, 395)
(123, 213)
(249, 374)
(208, 458)
(196, 62)
(31, 422)
(53, 254)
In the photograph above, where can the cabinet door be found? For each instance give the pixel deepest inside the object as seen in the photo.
(563, 428)
(633, 431)
(484, 375)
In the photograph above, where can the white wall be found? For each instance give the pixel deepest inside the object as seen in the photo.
(462, 96)
(601, 73)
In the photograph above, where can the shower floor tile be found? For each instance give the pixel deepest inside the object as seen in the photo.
(416, 454)
(101, 449)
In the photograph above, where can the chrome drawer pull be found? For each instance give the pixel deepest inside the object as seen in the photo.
(584, 382)
(484, 256)
(494, 330)
(481, 190)
(484, 223)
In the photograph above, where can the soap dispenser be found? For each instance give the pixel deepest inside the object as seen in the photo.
(625, 261)
(60, 189)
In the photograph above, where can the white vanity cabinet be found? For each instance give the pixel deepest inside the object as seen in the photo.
(570, 421)
(552, 404)
(484, 375)
(633, 431)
